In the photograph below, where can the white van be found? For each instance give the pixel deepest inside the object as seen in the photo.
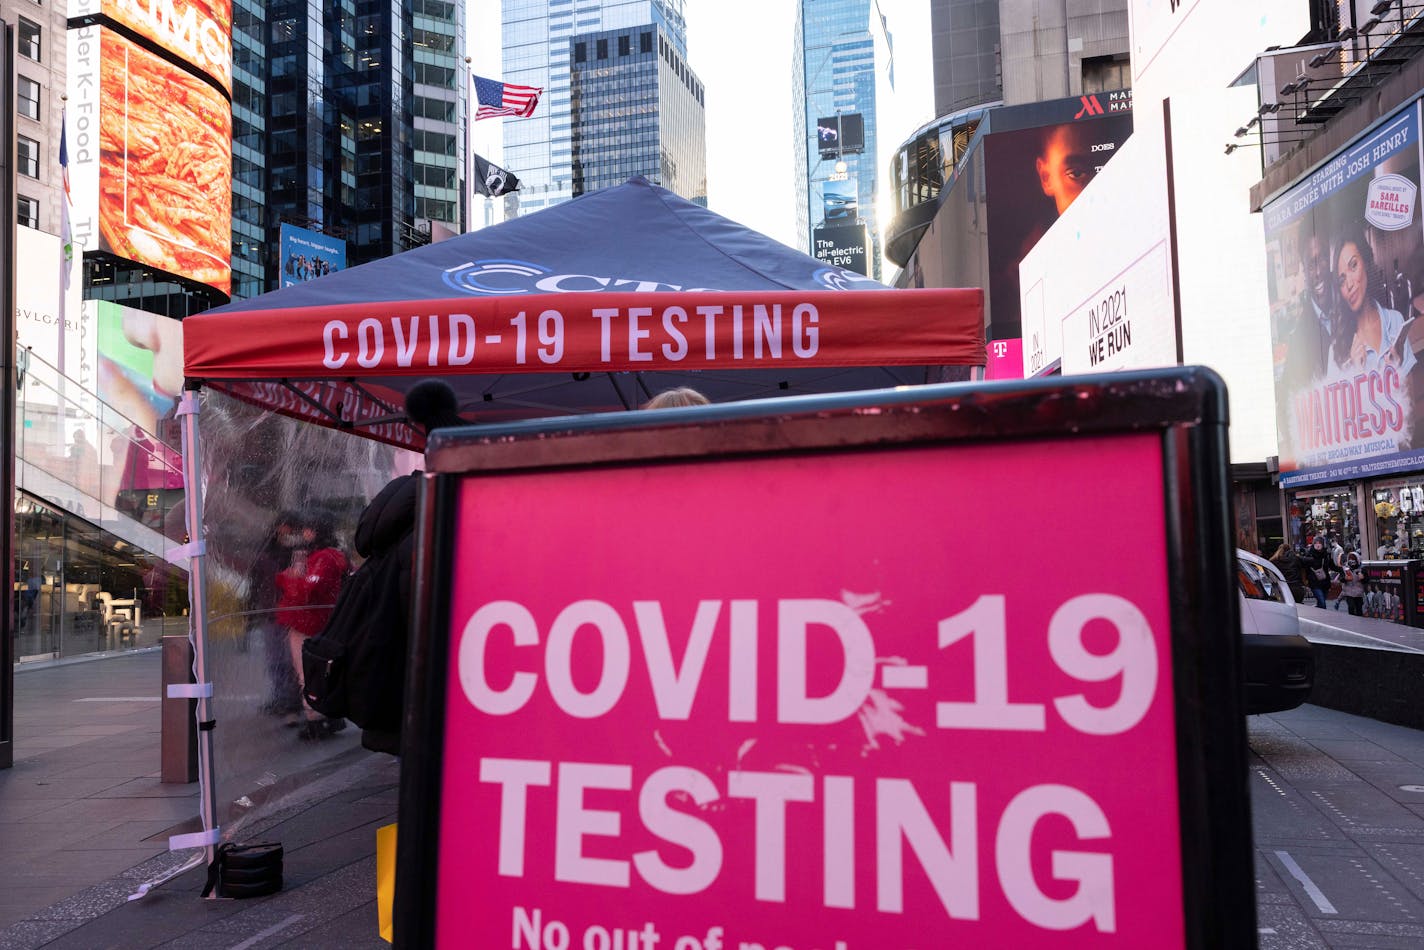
(1278, 664)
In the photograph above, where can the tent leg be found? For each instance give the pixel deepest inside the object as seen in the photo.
(198, 619)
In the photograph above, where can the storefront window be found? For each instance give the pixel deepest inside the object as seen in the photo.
(80, 589)
(1330, 511)
(1399, 519)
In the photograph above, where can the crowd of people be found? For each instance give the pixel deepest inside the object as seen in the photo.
(305, 268)
(1333, 575)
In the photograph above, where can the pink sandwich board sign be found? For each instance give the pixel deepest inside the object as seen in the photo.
(817, 674)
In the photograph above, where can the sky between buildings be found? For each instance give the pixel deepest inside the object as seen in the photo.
(741, 50)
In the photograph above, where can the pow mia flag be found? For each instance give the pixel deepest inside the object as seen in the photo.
(493, 181)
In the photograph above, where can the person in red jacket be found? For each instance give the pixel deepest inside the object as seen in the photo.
(306, 593)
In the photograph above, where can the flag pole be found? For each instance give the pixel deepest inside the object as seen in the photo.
(66, 251)
(470, 146)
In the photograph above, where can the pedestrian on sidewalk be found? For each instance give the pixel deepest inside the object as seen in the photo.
(284, 695)
(307, 590)
(1319, 569)
(1352, 584)
(1288, 561)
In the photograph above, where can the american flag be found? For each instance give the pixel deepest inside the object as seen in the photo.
(501, 98)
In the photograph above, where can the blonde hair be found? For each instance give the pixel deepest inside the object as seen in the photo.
(676, 398)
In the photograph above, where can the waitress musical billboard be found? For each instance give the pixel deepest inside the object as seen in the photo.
(1345, 269)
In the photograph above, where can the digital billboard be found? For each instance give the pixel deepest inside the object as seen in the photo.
(197, 31)
(845, 246)
(164, 165)
(839, 134)
(1031, 176)
(1345, 278)
(140, 363)
(840, 202)
(307, 255)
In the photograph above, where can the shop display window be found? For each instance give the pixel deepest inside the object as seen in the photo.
(1329, 512)
(1399, 520)
(80, 589)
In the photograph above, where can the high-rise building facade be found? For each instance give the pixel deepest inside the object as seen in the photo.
(964, 37)
(539, 45)
(39, 84)
(847, 64)
(635, 108)
(366, 112)
(249, 139)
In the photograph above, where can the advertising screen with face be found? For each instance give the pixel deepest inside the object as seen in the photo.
(140, 363)
(197, 31)
(1032, 176)
(1345, 255)
(165, 166)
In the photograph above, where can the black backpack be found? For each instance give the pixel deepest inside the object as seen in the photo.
(355, 667)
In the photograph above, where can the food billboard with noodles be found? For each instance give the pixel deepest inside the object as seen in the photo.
(197, 31)
(165, 175)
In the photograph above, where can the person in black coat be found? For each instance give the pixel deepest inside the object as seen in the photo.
(1288, 561)
(1320, 568)
(387, 524)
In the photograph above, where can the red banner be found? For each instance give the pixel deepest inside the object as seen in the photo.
(592, 332)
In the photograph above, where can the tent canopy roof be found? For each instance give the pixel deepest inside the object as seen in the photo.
(633, 237)
(590, 305)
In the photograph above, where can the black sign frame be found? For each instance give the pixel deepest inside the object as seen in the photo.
(1186, 407)
(850, 134)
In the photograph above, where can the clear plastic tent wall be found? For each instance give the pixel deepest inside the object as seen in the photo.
(258, 465)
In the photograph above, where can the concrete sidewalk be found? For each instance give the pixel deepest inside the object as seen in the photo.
(1327, 625)
(84, 821)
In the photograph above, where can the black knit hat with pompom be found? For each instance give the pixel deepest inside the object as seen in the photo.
(431, 405)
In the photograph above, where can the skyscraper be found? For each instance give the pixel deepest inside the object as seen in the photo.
(346, 122)
(540, 38)
(846, 64)
(635, 108)
(249, 137)
(366, 110)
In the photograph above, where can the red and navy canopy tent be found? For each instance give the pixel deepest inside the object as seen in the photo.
(591, 305)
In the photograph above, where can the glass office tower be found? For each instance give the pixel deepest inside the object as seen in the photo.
(349, 119)
(538, 47)
(635, 108)
(846, 63)
(249, 135)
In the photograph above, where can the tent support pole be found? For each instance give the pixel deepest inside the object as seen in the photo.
(198, 618)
